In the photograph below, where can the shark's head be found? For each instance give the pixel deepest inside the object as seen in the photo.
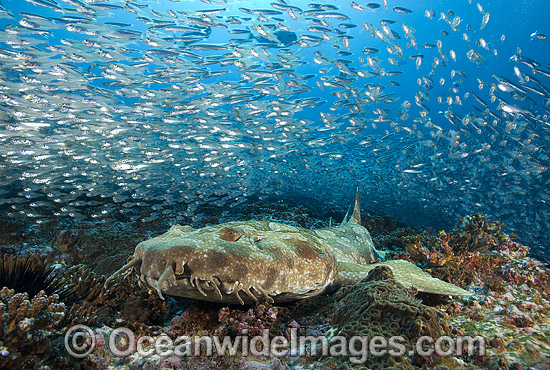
(235, 262)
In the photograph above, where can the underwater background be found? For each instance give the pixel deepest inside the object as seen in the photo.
(119, 119)
(148, 109)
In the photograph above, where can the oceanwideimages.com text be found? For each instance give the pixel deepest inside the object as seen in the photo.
(80, 341)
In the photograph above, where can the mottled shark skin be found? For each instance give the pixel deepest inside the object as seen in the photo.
(251, 261)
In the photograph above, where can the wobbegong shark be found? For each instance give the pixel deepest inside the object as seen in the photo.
(251, 261)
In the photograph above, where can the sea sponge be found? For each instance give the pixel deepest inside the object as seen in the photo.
(379, 306)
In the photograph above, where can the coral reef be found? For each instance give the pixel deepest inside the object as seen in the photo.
(40, 300)
(97, 246)
(514, 319)
(437, 254)
(378, 225)
(252, 322)
(474, 233)
(47, 292)
(379, 306)
(477, 233)
(27, 326)
(139, 308)
(477, 252)
(214, 319)
(393, 240)
(511, 307)
(32, 273)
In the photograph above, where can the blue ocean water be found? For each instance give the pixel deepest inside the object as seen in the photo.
(154, 109)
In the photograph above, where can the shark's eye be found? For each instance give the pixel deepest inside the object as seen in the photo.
(229, 234)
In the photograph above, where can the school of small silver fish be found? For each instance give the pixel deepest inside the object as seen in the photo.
(156, 107)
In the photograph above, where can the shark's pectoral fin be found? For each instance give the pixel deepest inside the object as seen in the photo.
(405, 273)
(410, 275)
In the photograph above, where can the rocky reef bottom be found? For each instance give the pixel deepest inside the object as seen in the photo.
(55, 312)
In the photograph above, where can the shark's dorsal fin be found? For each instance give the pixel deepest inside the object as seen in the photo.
(356, 218)
(345, 220)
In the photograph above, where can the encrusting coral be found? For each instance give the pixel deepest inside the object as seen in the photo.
(252, 322)
(379, 306)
